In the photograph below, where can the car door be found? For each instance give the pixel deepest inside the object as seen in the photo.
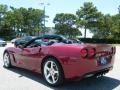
(31, 58)
(33, 53)
(17, 59)
(18, 52)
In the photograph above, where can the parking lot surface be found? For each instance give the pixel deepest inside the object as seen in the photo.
(20, 79)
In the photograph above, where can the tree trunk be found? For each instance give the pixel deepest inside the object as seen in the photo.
(85, 32)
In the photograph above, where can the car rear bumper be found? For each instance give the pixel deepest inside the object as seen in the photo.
(84, 67)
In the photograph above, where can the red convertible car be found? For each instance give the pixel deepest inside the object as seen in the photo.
(57, 60)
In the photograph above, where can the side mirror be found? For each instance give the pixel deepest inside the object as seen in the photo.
(20, 46)
(69, 42)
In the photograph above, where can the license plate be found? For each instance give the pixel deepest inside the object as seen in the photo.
(103, 60)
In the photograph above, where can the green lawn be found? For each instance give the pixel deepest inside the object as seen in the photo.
(116, 44)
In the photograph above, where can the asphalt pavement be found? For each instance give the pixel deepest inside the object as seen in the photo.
(20, 79)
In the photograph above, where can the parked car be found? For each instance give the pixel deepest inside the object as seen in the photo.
(13, 40)
(2, 42)
(59, 61)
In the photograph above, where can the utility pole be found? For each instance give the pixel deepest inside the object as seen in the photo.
(44, 20)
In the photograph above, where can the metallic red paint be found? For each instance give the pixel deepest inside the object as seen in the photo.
(68, 55)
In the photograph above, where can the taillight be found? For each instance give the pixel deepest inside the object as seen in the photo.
(113, 50)
(84, 53)
(92, 52)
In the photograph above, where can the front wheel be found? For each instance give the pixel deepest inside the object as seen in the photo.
(6, 60)
(52, 72)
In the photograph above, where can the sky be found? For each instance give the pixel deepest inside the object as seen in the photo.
(64, 6)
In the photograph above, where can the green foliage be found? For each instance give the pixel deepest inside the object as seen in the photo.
(65, 25)
(116, 26)
(103, 30)
(100, 41)
(102, 26)
(21, 20)
(4, 25)
(87, 16)
(30, 21)
(3, 8)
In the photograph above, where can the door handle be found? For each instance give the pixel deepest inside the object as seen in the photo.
(40, 49)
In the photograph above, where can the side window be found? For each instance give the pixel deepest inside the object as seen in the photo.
(25, 40)
(22, 41)
(19, 42)
(35, 43)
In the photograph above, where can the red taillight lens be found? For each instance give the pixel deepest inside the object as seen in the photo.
(92, 52)
(112, 50)
(84, 53)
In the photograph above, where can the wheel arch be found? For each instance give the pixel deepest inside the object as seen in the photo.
(6, 51)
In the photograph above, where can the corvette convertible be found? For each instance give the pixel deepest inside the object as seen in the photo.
(58, 60)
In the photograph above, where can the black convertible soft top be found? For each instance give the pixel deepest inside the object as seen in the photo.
(29, 39)
(25, 40)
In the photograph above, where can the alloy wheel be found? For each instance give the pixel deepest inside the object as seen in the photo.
(51, 72)
(6, 60)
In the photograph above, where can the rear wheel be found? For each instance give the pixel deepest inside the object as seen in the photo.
(6, 60)
(52, 72)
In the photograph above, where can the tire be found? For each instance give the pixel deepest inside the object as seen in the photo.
(52, 72)
(6, 60)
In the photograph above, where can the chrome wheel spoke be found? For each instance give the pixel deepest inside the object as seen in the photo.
(52, 64)
(56, 72)
(53, 79)
(48, 76)
(47, 68)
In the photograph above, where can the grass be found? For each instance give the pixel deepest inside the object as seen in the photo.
(116, 44)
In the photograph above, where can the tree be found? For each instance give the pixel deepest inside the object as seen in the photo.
(33, 21)
(116, 26)
(24, 20)
(20, 20)
(65, 25)
(104, 28)
(87, 16)
(3, 10)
